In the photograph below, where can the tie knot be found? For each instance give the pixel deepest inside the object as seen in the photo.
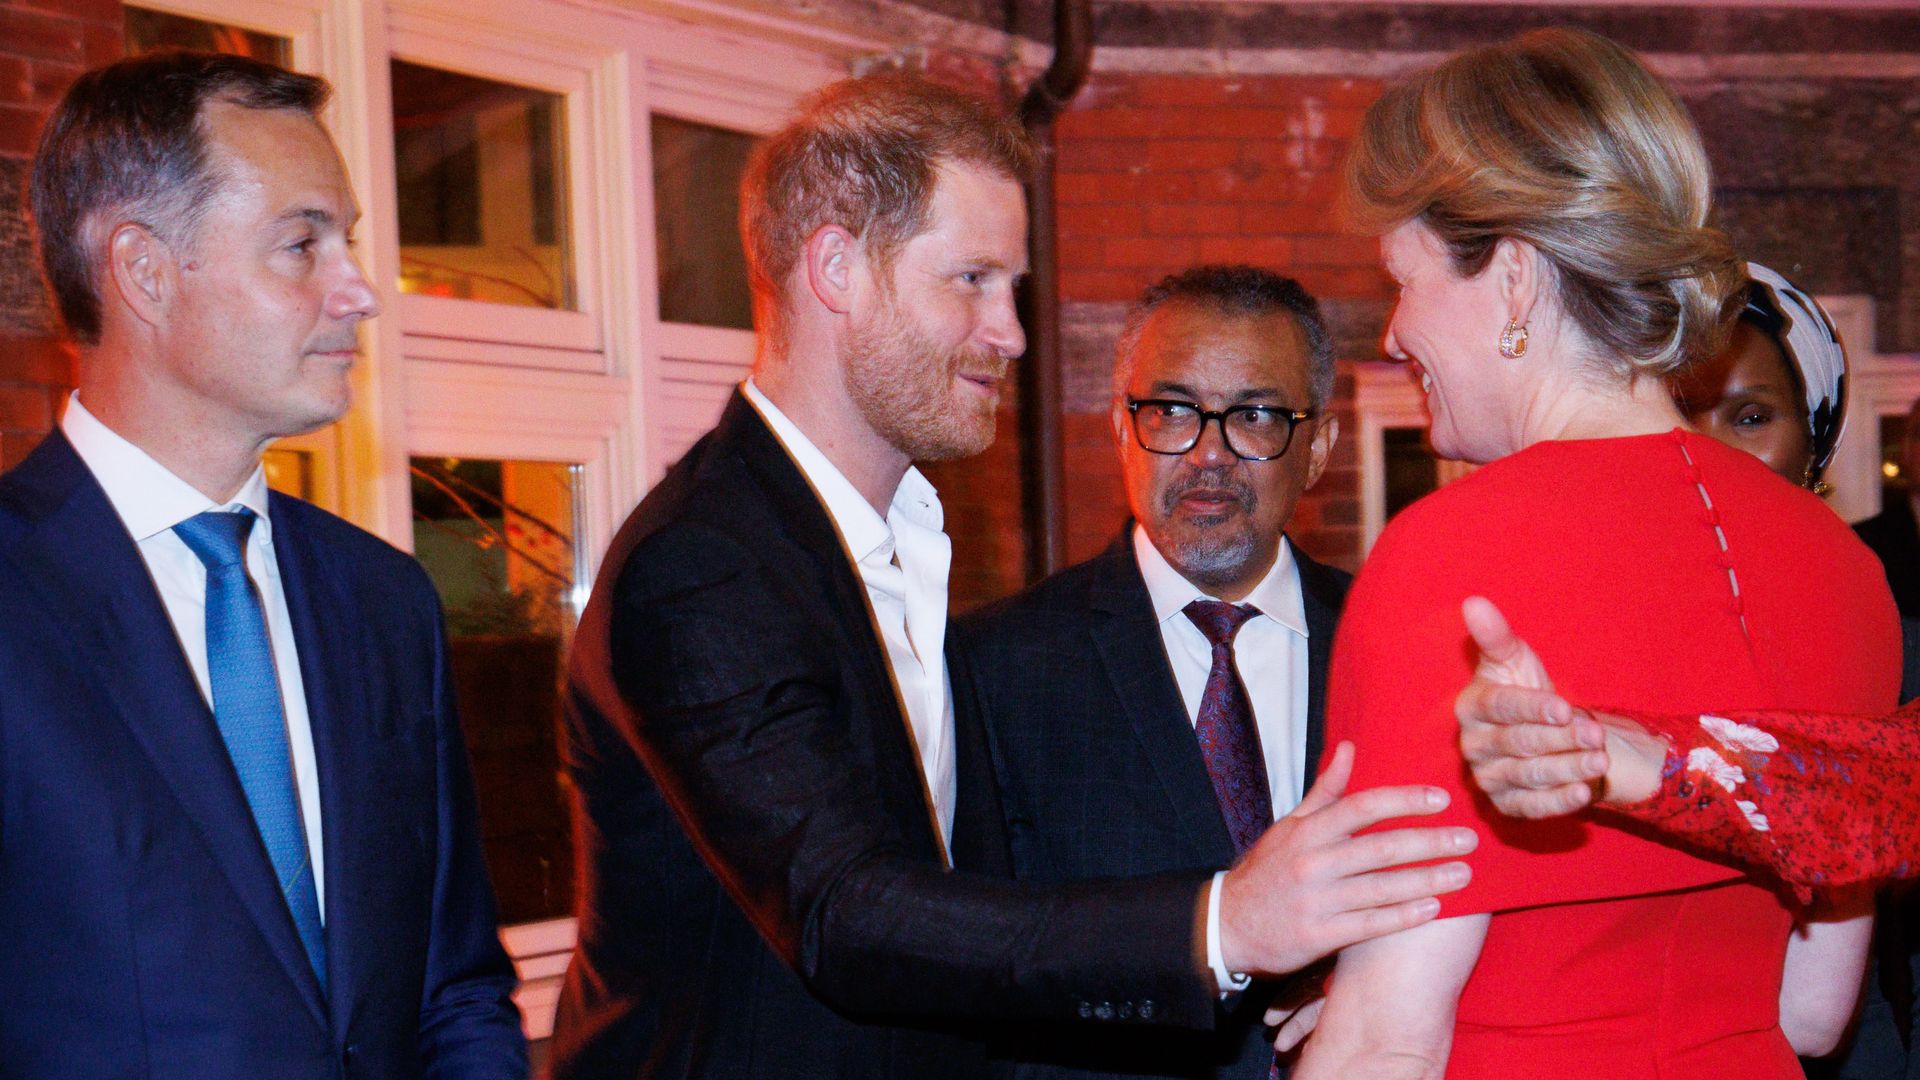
(218, 537)
(1220, 620)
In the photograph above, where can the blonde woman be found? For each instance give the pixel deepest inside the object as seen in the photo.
(1543, 206)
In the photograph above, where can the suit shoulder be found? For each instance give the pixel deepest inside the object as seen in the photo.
(1061, 601)
(347, 542)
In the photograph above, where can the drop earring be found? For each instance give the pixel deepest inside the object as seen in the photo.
(1513, 341)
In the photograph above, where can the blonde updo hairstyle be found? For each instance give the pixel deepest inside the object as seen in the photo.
(1563, 139)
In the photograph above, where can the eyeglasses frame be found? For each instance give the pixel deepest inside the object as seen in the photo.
(1294, 418)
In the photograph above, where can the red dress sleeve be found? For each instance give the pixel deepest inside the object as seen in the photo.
(1816, 799)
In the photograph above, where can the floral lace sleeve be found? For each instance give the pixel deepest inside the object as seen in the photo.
(1819, 800)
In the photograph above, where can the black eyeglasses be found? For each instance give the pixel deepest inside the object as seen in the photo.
(1252, 432)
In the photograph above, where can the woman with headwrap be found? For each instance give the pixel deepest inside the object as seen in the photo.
(1779, 388)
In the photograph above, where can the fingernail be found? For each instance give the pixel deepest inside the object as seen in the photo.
(1456, 876)
(1464, 840)
(1427, 908)
(1436, 798)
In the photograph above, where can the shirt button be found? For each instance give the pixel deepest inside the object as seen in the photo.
(1146, 1009)
(1086, 1011)
(1125, 1010)
(1104, 1010)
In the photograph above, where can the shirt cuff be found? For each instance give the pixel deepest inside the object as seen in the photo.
(1227, 982)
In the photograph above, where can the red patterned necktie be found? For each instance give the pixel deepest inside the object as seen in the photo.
(1229, 740)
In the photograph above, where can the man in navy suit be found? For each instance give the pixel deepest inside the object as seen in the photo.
(1110, 709)
(237, 832)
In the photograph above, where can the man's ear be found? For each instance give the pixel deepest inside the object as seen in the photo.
(1325, 434)
(830, 261)
(141, 272)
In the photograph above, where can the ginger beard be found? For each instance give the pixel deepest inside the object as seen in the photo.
(911, 391)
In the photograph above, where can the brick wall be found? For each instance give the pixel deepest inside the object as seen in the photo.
(1161, 171)
(44, 45)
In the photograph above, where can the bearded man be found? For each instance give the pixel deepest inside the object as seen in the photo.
(776, 807)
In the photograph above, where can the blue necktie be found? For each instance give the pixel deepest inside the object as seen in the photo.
(247, 708)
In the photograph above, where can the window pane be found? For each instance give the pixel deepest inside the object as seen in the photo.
(1412, 470)
(289, 472)
(696, 215)
(150, 30)
(497, 539)
(482, 177)
(1894, 482)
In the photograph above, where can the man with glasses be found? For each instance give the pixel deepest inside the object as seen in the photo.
(1156, 708)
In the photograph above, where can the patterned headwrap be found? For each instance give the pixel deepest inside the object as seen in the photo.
(1805, 333)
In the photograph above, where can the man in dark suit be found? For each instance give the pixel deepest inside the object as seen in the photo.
(1094, 684)
(237, 834)
(1893, 534)
(792, 855)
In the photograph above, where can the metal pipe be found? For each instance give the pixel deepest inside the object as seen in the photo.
(1042, 454)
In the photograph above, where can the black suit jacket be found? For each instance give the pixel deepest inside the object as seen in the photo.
(763, 893)
(1894, 537)
(142, 930)
(1101, 776)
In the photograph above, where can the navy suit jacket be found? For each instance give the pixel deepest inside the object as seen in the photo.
(1100, 775)
(142, 932)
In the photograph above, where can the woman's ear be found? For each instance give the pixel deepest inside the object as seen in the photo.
(1521, 273)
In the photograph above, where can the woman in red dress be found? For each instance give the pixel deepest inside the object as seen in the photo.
(1543, 204)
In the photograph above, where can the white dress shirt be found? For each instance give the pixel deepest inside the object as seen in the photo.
(1270, 653)
(150, 501)
(903, 560)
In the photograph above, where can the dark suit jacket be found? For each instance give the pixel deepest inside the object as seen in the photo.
(142, 930)
(763, 894)
(1101, 775)
(1894, 537)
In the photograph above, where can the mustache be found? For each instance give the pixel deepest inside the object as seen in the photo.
(1216, 481)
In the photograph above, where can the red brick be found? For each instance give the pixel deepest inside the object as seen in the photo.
(1289, 217)
(1102, 220)
(1082, 252)
(1343, 283)
(104, 12)
(1273, 252)
(1167, 187)
(1336, 251)
(1095, 285)
(1244, 183)
(104, 44)
(42, 37)
(1097, 187)
(1350, 93)
(44, 361)
(20, 128)
(1124, 252)
(1098, 155)
(1195, 219)
(16, 80)
(1191, 155)
(25, 408)
(47, 81)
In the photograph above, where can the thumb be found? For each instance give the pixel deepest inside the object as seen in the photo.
(1490, 631)
(1332, 782)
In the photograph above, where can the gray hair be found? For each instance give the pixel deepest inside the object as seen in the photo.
(1240, 291)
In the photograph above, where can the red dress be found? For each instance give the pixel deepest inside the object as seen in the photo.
(1659, 574)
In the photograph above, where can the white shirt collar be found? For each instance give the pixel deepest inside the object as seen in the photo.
(1277, 596)
(149, 498)
(864, 531)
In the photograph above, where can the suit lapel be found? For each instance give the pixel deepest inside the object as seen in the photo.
(336, 673)
(808, 527)
(78, 556)
(1127, 639)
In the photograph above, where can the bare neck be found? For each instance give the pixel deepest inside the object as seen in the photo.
(1577, 405)
(189, 439)
(817, 402)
